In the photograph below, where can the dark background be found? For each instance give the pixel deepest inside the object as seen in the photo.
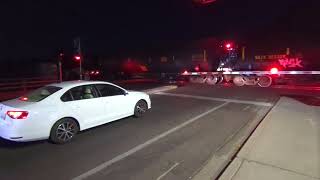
(39, 28)
(33, 32)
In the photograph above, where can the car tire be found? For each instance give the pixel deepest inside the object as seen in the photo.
(63, 131)
(140, 108)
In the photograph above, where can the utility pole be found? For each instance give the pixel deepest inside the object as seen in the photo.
(60, 65)
(60, 70)
(80, 67)
(243, 53)
(288, 51)
(204, 55)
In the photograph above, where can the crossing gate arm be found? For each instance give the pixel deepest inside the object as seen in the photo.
(254, 73)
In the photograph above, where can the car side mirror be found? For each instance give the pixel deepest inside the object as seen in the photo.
(125, 93)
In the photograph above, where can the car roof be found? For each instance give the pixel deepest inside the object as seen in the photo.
(70, 84)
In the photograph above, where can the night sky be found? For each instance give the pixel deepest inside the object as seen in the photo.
(39, 28)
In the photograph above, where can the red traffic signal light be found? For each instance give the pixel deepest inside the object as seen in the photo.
(77, 57)
(274, 70)
(228, 46)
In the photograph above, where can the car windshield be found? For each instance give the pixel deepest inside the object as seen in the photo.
(40, 94)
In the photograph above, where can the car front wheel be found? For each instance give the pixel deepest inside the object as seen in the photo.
(140, 108)
(64, 131)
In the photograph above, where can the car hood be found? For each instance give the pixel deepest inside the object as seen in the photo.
(137, 93)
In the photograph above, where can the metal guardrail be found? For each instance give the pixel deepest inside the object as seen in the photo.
(24, 84)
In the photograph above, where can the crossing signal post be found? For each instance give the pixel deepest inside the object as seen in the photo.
(78, 56)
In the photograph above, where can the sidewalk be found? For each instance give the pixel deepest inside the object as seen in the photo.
(285, 146)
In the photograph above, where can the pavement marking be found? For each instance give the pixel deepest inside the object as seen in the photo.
(147, 143)
(167, 172)
(218, 99)
(160, 89)
(293, 87)
(246, 108)
(256, 109)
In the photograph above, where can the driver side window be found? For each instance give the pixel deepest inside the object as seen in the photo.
(109, 90)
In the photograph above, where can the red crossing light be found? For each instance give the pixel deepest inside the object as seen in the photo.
(77, 57)
(229, 46)
(274, 70)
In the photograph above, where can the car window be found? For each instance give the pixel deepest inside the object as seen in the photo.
(80, 93)
(109, 90)
(66, 97)
(41, 93)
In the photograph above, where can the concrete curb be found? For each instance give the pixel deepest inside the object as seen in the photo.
(160, 89)
(224, 155)
(237, 162)
(232, 169)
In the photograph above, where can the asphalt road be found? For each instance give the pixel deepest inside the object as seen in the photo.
(173, 140)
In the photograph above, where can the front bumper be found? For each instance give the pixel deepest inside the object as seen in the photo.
(149, 102)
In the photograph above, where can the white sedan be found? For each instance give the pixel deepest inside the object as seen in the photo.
(59, 111)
